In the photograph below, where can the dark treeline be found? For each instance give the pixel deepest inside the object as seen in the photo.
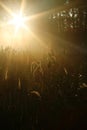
(73, 19)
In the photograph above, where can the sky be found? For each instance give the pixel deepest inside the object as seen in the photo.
(41, 5)
(34, 6)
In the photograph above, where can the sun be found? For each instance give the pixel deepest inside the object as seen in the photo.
(18, 21)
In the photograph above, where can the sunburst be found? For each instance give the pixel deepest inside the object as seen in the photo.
(19, 21)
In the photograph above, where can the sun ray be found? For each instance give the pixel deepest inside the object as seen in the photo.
(39, 40)
(6, 9)
(22, 6)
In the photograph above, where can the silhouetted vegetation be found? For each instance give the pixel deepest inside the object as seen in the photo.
(46, 93)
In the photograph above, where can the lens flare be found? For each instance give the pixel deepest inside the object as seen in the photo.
(18, 31)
